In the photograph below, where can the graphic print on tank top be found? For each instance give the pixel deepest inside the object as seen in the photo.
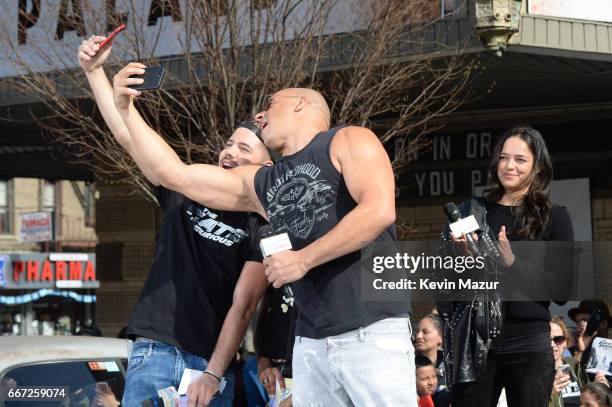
(206, 225)
(298, 200)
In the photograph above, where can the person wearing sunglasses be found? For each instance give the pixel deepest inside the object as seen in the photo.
(331, 193)
(566, 387)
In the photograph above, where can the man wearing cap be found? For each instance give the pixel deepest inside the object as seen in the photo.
(580, 315)
(206, 277)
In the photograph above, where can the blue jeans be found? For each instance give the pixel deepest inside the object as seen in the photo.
(370, 366)
(154, 365)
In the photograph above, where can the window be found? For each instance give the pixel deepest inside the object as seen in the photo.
(89, 204)
(456, 7)
(47, 196)
(5, 206)
(82, 381)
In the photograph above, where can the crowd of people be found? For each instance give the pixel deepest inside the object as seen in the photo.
(331, 192)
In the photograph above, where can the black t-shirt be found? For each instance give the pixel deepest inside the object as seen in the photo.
(199, 256)
(526, 324)
(305, 196)
(274, 324)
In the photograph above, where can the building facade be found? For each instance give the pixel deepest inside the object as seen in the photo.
(546, 64)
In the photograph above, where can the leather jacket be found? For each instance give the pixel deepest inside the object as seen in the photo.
(473, 327)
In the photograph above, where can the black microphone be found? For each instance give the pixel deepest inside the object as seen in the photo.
(453, 215)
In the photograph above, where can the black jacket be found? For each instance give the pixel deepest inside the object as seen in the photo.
(473, 327)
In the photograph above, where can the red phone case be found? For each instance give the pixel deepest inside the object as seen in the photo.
(112, 35)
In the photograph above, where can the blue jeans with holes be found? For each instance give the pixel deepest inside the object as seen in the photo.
(154, 365)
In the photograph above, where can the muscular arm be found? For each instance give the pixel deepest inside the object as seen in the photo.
(367, 172)
(207, 184)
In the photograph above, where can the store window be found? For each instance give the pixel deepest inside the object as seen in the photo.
(5, 206)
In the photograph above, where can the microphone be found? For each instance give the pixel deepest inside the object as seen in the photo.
(454, 217)
(274, 244)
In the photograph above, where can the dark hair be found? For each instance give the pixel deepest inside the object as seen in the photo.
(251, 125)
(435, 320)
(600, 392)
(533, 213)
(422, 361)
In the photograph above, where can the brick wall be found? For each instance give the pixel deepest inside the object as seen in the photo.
(126, 224)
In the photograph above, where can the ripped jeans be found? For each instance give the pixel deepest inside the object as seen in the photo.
(369, 366)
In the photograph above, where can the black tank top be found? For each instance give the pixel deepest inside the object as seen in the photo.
(305, 196)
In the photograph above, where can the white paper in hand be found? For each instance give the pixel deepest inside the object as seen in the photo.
(190, 376)
(464, 226)
(275, 244)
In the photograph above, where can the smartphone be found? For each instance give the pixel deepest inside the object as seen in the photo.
(565, 369)
(153, 77)
(112, 35)
(593, 323)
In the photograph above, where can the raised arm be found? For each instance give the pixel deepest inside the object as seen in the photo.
(91, 59)
(209, 185)
(368, 174)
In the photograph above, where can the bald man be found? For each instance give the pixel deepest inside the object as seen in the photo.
(332, 191)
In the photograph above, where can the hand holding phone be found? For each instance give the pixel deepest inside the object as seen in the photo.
(112, 35)
(593, 323)
(152, 77)
(565, 369)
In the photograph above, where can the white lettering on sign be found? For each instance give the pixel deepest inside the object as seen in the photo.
(442, 148)
(478, 145)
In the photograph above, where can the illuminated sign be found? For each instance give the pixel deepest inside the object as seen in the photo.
(41, 270)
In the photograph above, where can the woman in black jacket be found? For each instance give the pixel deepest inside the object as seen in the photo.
(519, 357)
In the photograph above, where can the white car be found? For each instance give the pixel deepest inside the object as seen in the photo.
(79, 371)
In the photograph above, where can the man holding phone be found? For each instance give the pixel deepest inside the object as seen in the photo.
(331, 194)
(592, 318)
(206, 278)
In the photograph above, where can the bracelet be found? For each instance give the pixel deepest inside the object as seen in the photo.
(213, 375)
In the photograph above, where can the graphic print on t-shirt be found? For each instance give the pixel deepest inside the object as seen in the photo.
(571, 393)
(205, 224)
(298, 200)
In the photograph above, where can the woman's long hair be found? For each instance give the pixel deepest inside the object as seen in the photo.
(533, 214)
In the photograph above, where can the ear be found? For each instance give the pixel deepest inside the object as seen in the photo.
(301, 104)
(268, 163)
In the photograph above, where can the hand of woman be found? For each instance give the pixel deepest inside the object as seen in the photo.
(505, 250)
(463, 240)
(561, 380)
